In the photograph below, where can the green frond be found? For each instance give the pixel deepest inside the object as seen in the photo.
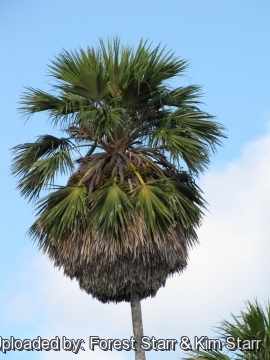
(117, 64)
(59, 214)
(186, 202)
(186, 136)
(25, 155)
(148, 70)
(151, 201)
(167, 202)
(199, 126)
(42, 174)
(60, 108)
(194, 153)
(183, 97)
(84, 71)
(252, 323)
(36, 164)
(155, 66)
(109, 214)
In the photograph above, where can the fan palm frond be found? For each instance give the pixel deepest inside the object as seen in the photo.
(36, 164)
(253, 323)
(60, 213)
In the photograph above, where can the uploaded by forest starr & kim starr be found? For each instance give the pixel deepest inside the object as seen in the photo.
(147, 344)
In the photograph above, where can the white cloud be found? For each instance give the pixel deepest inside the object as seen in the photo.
(229, 266)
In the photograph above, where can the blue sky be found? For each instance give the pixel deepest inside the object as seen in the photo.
(227, 43)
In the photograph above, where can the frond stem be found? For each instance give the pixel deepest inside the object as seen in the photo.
(137, 174)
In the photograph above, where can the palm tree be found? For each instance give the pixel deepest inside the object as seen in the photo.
(249, 329)
(253, 323)
(128, 213)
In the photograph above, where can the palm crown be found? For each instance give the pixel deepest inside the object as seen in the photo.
(129, 211)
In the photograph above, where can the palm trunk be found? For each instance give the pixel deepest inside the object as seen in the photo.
(137, 325)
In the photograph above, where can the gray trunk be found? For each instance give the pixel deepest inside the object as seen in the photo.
(137, 325)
